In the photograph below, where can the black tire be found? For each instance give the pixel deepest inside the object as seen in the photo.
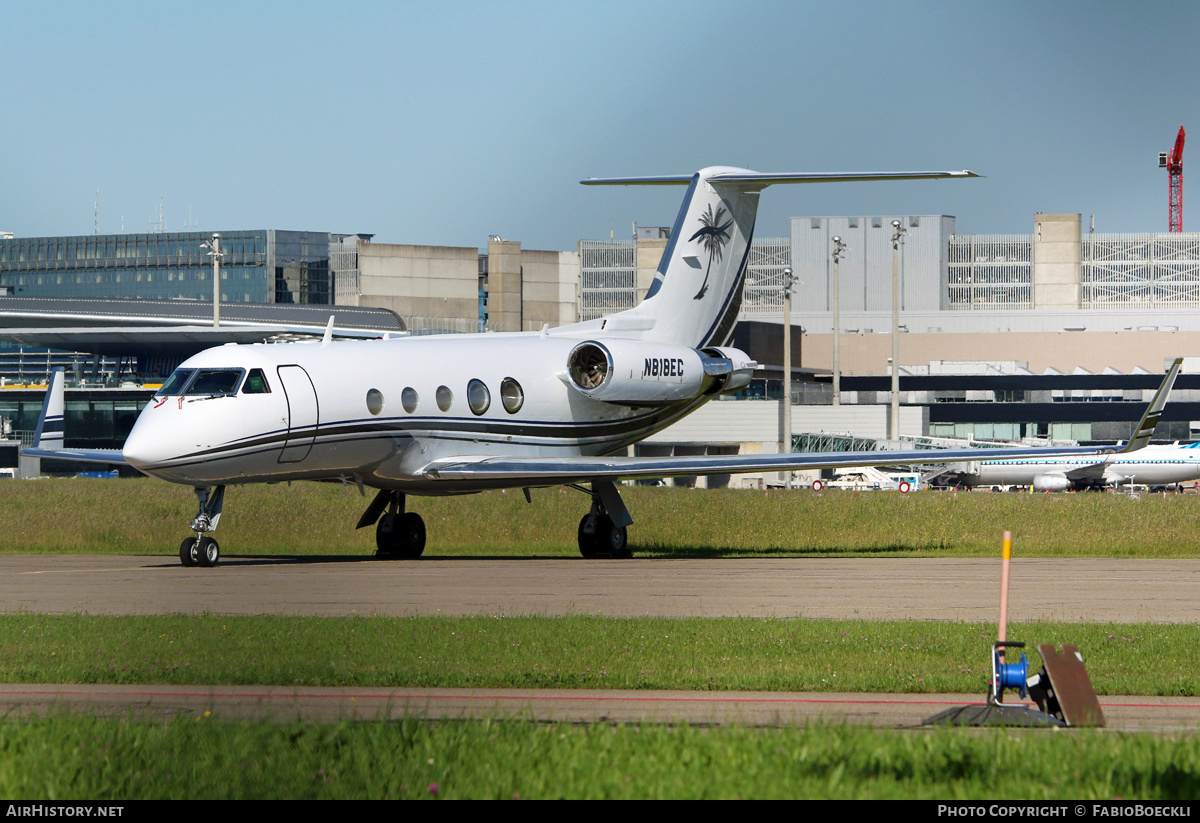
(617, 541)
(411, 534)
(400, 536)
(188, 552)
(385, 535)
(598, 537)
(589, 543)
(208, 552)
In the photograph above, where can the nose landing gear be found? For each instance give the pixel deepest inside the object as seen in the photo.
(199, 551)
(203, 550)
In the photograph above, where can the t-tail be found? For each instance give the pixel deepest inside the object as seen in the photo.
(49, 432)
(696, 293)
(48, 437)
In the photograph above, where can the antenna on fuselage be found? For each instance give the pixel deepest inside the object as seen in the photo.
(328, 332)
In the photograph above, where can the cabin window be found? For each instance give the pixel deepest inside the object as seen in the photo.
(409, 399)
(445, 398)
(478, 396)
(256, 383)
(374, 401)
(511, 395)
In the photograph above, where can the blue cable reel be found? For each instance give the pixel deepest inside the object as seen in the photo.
(1008, 675)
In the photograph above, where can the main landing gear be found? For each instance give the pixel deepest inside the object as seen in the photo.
(398, 534)
(602, 531)
(401, 535)
(202, 550)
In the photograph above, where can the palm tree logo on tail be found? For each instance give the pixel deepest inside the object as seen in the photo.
(715, 235)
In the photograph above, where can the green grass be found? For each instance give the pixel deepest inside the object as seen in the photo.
(150, 517)
(78, 758)
(576, 652)
(63, 757)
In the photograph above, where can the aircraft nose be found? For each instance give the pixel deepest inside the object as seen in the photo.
(148, 445)
(139, 450)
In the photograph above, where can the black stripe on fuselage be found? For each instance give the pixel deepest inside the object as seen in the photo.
(605, 434)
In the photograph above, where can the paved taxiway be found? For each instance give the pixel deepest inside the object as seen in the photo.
(1123, 591)
(283, 704)
(880, 588)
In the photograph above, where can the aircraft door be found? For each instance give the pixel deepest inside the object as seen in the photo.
(303, 413)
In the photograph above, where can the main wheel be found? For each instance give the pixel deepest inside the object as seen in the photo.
(599, 537)
(189, 554)
(412, 536)
(400, 535)
(208, 553)
(616, 540)
(589, 543)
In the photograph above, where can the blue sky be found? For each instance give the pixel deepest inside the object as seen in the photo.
(442, 123)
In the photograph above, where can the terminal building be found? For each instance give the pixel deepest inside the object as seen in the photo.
(1061, 333)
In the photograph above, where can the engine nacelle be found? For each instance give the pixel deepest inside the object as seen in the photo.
(1050, 483)
(633, 373)
(741, 369)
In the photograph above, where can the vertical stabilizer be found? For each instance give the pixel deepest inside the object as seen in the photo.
(49, 432)
(697, 289)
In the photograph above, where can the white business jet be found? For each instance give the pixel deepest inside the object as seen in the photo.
(458, 414)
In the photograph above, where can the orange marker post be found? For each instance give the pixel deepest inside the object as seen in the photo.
(1006, 557)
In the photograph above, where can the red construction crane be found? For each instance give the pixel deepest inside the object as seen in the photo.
(1173, 162)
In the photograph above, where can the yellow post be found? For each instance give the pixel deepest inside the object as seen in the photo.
(1006, 556)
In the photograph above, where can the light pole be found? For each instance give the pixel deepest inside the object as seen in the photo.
(786, 443)
(894, 425)
(214, 251)
(838, 249)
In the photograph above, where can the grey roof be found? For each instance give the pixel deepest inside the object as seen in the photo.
(45, 312)
(175, 328)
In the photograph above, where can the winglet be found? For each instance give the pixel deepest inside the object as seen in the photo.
(1145, 427)
(49, 433)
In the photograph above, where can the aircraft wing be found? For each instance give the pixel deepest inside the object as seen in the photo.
(1092, 471)
(546, 470)
(549, 470)
(111, 456)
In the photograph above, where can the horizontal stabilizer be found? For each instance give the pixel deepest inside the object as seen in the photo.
(759, 179)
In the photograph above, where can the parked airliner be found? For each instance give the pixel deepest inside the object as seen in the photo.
(457, 414)
(1152, 466)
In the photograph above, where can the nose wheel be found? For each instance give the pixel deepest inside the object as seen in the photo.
(199, 551)
(202, 550)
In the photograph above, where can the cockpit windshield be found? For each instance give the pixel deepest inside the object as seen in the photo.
(215, 381)
(203, 382)
(175, 383)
